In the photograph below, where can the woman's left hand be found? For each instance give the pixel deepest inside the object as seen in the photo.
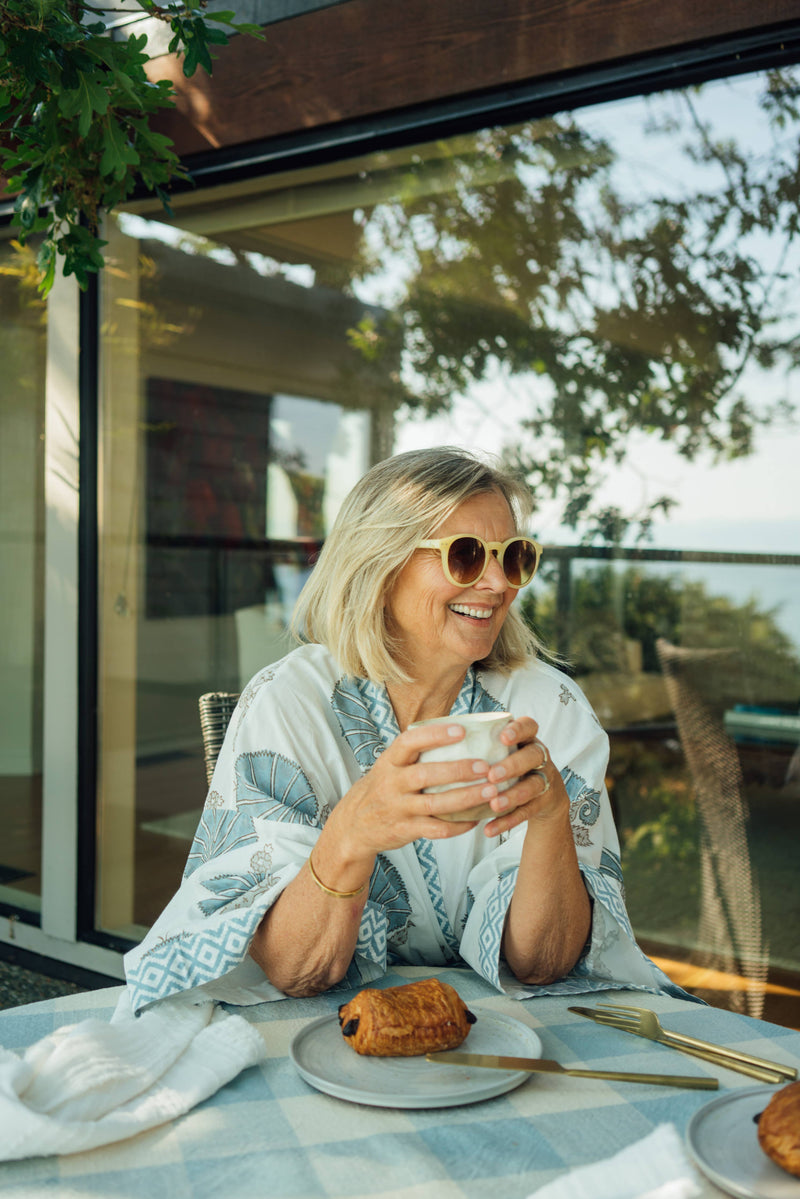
(538, 792)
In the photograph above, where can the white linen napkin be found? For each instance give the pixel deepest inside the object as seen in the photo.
(95, 1082)
(654, 1168)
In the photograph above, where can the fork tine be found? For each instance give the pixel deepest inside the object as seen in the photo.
(622, 1007)
(621, 1022)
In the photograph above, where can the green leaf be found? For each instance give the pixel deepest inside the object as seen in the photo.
(46, 262)
(118, 155)
(248, 28)
(126, 85)
(88, 98)
(29, 201)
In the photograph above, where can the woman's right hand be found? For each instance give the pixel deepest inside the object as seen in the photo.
(390, 806)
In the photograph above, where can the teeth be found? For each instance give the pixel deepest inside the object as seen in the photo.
(480, 613)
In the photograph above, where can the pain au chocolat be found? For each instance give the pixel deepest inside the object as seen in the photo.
(421, 1017)
(779, 1128)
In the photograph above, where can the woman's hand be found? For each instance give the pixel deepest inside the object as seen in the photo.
(538, 792)
(391, 806)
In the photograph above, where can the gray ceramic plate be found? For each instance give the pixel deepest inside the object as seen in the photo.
(723, 1139)
(324, 1059)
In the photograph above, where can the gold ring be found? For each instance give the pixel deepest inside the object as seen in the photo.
(541, 774)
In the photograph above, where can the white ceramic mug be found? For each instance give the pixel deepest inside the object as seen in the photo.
(481, 740)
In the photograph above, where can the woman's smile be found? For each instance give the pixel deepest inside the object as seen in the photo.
(442, 628)
(474, 613)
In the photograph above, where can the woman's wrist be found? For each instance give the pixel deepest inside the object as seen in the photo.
(333, 891)
(339, 865)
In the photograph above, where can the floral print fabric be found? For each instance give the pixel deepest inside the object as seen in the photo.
(300, 737)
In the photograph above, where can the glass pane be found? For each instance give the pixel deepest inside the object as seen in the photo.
(603, 298)
(227, 444)
(23, 333)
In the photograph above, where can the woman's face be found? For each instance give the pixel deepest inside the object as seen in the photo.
(443, 628)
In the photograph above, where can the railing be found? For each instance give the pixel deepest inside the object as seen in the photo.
(566, 555)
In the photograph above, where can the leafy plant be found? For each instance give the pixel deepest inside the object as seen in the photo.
(76, 113)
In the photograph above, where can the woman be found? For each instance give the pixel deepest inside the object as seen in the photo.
(322, 857)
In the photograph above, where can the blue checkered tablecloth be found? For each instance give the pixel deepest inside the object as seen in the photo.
(268, 1133)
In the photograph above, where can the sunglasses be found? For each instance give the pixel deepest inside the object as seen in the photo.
(465, 558)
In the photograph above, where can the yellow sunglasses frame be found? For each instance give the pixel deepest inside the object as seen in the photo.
(496, 548)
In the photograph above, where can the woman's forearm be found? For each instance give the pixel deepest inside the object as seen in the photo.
(549, 918)
(307, 939)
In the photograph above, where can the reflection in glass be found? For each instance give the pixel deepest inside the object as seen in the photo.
(605, 298)
(23, 333)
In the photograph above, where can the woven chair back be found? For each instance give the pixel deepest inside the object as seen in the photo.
(216, 709)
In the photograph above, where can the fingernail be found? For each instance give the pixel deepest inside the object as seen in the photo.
(480, 767)
(488, 792)
(498, 772)
(501, 803)
(454, 730)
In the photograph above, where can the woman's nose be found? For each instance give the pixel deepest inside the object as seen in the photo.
(494, 578)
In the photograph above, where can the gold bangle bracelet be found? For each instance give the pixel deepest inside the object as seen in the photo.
(330, 890)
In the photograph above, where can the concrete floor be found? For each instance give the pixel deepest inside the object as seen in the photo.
(20, 984)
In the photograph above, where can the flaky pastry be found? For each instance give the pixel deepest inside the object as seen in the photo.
(421, 1017)
(779, 1128)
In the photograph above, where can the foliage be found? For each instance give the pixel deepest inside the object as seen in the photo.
(526, 254)
(609, 606)
(659, 833)
(76, 112)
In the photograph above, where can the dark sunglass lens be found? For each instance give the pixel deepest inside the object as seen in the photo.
(519, 562)
(465, 559)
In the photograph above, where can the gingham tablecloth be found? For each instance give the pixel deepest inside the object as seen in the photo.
(268, 1133)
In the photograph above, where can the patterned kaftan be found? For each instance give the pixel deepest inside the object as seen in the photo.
(301, 735)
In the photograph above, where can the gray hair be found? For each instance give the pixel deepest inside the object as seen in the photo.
(399, 502)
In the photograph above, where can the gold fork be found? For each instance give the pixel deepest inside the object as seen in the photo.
(646, 1023)
(622, 1024)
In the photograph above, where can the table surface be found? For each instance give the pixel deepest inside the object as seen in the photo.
(268, 1133)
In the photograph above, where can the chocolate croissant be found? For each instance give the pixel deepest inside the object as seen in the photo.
(779, 1128)
(421, 1017)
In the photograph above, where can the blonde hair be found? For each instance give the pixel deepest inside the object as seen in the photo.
(398, 503)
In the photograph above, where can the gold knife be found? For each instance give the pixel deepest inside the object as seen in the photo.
(546, 1066)
(759, 1068)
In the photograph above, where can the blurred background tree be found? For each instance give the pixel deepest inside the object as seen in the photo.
(525, 253)
(612, 607)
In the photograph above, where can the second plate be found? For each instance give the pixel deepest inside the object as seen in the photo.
(723, 1139)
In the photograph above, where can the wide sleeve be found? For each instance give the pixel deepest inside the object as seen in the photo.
(284, 764)
(579, 747)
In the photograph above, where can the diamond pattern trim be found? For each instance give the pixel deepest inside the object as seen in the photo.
(193, 959)
(494, 916)
(430, 872)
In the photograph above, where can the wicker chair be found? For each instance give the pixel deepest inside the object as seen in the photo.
(729, 934)
(216, 709)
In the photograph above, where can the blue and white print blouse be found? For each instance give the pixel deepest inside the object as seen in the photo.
(301, 735)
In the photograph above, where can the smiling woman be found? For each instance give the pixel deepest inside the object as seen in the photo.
(325, 853)
(439, 627)
(564, 291)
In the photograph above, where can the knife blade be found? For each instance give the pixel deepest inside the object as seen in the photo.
(545, 1065)
(762, 1070)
